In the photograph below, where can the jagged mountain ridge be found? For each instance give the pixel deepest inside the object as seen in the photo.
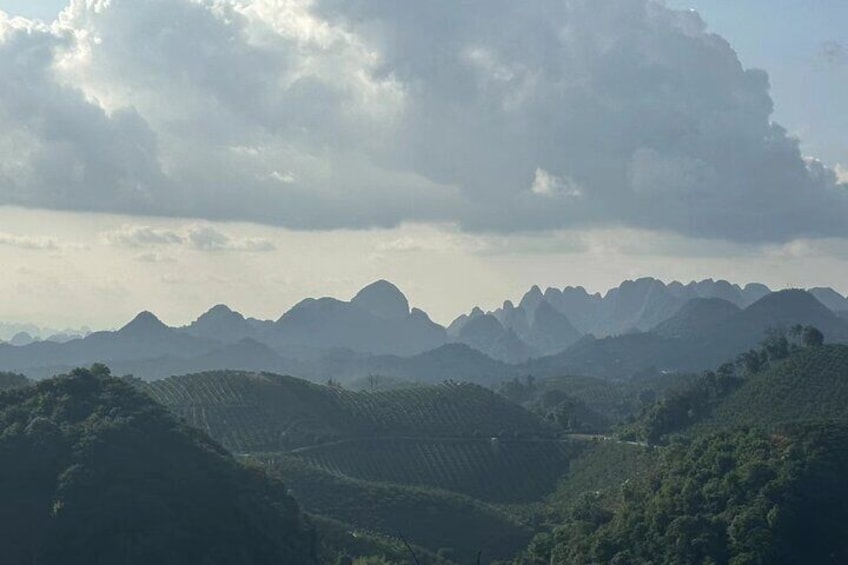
(692, 344)
(635, 305)
(377, 331)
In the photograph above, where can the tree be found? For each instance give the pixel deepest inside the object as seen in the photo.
(812, 337)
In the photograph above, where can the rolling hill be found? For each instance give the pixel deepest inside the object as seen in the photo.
(489, 469)
(811, 385)
(432, 518)
(427, 462)
(95, 472)
(259, 412)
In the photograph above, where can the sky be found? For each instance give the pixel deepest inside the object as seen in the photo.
(171, 155)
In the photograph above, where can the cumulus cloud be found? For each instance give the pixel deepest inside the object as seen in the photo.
(200, 237)
(495, 115)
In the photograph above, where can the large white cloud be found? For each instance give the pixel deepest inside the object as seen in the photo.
(495, 115)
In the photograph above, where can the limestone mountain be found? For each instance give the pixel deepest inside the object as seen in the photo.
(377, 320)
(383, 300)
(701, 336)
(485, 333)
(696, 317)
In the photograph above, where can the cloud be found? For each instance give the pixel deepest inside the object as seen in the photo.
(28, 242)
(546, 184)
(143, 236)
(496, 116)
(207, 238)
(200, 237)
(153, 258)
(841, 174)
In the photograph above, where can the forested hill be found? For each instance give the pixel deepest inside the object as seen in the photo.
(96, 472)
(749, 468)
(250, 412)
(432, 463)
(809, 386)
(779, 384)
(734, 497)
(12, 380)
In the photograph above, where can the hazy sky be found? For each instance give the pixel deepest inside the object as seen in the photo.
(174, 154)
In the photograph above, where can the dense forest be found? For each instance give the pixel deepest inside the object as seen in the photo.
(96, 472)
(729, 497)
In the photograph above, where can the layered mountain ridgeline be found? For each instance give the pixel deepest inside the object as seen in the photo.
(377, 332)
(514, 334)
(143, 338)
(546, 322)
(24, 334)
(96, 472)
(700, 336)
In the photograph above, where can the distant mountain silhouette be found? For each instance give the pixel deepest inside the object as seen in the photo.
(830, 298)
(145, 337)
(21, 338)
(642, 304)
(377, 320)
(484, 332)
(550, 330)
(641, 325)
(514, 334)
(144, 326)
(696, 317)
(220, 323)
(382, 299)
(690, 343)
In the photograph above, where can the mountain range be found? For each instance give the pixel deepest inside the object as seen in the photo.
(642, 325)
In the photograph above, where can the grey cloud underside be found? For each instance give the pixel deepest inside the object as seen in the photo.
(497, 115)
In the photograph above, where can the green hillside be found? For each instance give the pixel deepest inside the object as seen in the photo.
(425, 462)
(255, 412)
(490, 469)
(94, 472)
(581, 404)
(733, 497)
(428, 517)
(599, 472)
(12, 380)
(810, 385)
(365, 547)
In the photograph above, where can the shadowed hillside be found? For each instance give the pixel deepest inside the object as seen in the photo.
(95, 472)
